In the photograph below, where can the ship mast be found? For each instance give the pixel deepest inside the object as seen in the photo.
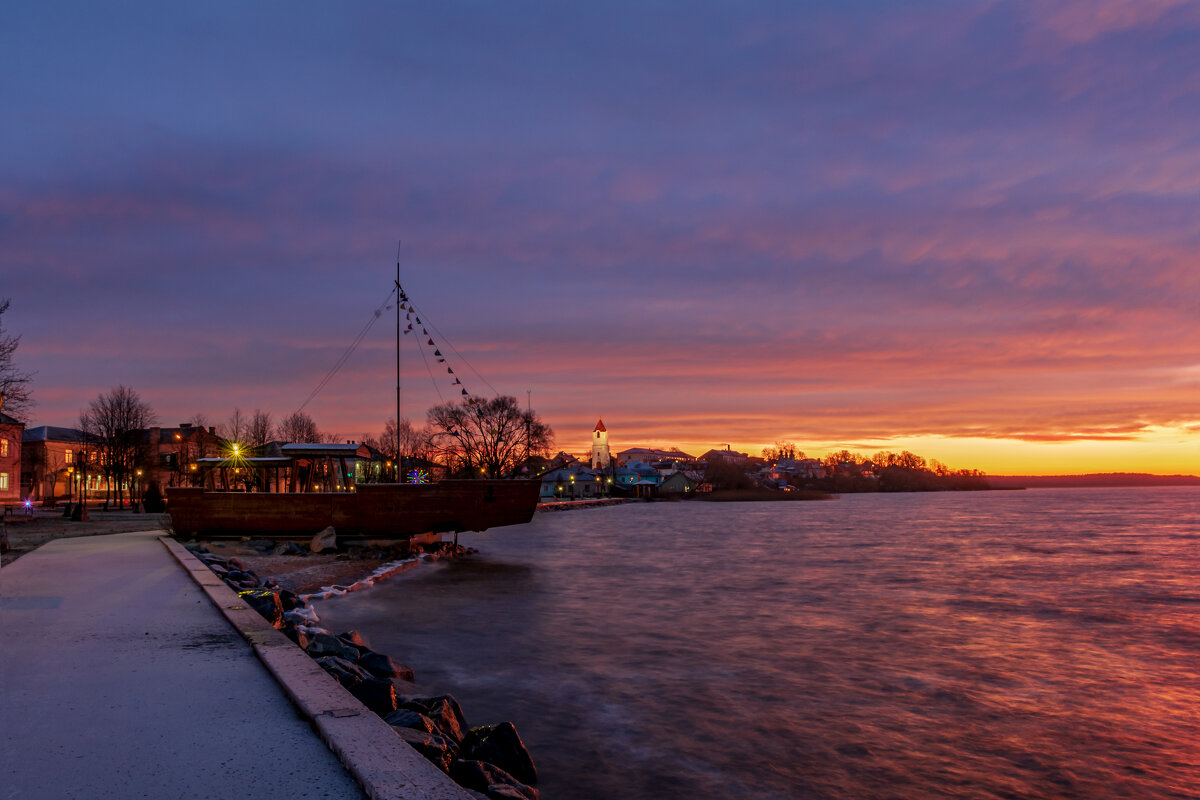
(397, 362)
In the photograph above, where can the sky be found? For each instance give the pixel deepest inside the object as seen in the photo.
(965, 229)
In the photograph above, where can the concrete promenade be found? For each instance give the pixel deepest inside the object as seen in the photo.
(120, 678)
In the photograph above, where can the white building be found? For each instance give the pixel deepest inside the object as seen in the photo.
(601, 457)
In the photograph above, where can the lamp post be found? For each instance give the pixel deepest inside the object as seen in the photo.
(137, 491)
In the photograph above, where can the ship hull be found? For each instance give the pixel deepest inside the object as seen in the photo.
(373, 511)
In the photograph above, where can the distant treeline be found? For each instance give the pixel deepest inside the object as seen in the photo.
(845, 472)
(1092, 479)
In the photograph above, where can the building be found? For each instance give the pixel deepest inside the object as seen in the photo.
(574, 481)
(169, 456)
(674, 458)
(601, 456)
(677, 484)
(11, 431)
(726, 455)
(50, 458)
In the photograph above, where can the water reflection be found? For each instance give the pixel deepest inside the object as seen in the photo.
(1031, 644)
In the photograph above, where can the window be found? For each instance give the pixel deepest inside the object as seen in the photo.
(3, 481)
(3, 448)
(70, 457)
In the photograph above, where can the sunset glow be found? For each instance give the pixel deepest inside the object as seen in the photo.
(967, 230)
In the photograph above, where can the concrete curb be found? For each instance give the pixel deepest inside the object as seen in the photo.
(383, 763)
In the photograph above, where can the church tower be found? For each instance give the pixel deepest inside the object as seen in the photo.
(600, 455)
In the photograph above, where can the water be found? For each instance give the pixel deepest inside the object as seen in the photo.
(1037, 644)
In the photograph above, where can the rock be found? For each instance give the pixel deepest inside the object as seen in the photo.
(438, 749)
(289, 600)
(301, 616)
(296, 635)
(407, 718)
(346, 672)
(264, 602)
(501, 745)
(506, 791)
(325, 540)
(289, 549)
(494, 782)
(322, 644)
(376, 694)
(355, 638)
(263, 546)
(235, 563)
(445, 712)
(385, 667)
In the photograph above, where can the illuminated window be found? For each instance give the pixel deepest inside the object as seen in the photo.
(3, 448)
(3, 481)
(70, 457)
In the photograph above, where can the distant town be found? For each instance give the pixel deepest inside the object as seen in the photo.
(115, 455)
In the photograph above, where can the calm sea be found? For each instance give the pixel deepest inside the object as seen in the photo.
(1036, 644)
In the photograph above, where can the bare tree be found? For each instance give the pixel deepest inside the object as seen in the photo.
(113, 424)
(488, 437)
(401, 443)
(258, 431)
(234, 429)
(782, 450)
(15, 397)
(298, 427)
(404, 440)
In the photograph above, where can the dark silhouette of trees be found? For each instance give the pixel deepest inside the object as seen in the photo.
(259, 430)
(14, 382)
(782, 450)
(298, 427)
(724, 475)
(487, 438)
(113, 426)
(235, 428)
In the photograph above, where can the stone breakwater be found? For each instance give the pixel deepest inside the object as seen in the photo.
(489, 761)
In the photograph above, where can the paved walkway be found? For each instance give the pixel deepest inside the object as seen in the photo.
(120, 679)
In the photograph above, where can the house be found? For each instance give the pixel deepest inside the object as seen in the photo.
(52, 460)
(677, 484)
(726, 455)
(11, 434)
(574, 481)
(673, 458)
(169, 455)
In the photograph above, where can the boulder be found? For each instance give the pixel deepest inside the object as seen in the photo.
(346, 672)
(407, 718)
(384, 666)
(376, 694)
(501, 745)
(438, 749)
(289, 600)
(489, 779)
(265, 602)
(296, 635)
(322, 644)
(355, 638)
(445, 712)
(289, 549)
(325, 540)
